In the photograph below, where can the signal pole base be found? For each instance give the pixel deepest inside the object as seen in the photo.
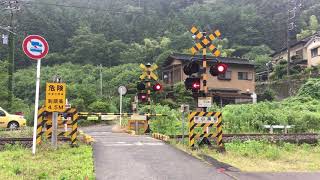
(148, 130)
(205, 141)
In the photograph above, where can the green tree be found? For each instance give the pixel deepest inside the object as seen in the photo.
(3, 84)
(311, 29)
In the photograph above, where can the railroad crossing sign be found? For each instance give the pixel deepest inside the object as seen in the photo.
(35, 47)
(205, 41)
(148, 71)
(55, 97)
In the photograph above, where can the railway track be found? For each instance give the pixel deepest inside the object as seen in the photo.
(293, 137)
(24, 140)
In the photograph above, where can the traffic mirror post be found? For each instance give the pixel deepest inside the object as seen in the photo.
(36, 48)
(36, 104)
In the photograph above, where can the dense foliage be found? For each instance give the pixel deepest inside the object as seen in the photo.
(116, 32)
(121, 34)
(311, 88)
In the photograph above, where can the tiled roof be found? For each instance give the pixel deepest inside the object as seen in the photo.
(187, 57)
(293, 44)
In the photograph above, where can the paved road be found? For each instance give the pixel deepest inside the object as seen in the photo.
(125, 157)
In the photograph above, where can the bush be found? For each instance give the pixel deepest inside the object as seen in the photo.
(310, 88)
(99, 106)
(268, 95)
(170, 124)
(302, 112)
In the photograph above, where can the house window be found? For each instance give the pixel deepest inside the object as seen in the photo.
(225, 76)
(314, 52)
(245, 76)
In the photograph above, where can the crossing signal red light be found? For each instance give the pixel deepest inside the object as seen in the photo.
(191, 68)
(157, 87)
(196, 86)
(219, 68)
(192, 83)
(142, 97)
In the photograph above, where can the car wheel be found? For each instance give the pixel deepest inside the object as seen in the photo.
(13, 125)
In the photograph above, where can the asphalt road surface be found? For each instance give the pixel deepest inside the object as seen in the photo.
(120, 156)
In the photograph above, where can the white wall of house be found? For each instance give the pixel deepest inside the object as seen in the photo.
(313, 60)
(293, 51)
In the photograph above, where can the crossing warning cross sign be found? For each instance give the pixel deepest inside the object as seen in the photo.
(55, 97)
(205, 41)
(148, 71)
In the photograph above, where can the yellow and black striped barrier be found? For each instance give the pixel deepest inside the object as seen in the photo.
(45, 124)
(205, 120)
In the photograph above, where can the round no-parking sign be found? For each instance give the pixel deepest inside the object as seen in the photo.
(35, 47)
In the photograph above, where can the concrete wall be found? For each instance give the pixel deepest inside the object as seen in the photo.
(281, 88)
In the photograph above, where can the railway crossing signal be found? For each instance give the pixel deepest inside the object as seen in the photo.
(205, 41)
(144, 90)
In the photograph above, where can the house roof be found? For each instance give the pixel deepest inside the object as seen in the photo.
(187, 58)
(293, 44)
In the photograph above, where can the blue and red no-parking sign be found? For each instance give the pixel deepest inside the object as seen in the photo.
(35, 47)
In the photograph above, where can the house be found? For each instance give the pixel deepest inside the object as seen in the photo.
(235, 86)
(305, 51)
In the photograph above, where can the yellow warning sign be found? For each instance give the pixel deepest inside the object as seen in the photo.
(55, 97)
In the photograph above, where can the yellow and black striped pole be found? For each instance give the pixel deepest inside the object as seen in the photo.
(49, 126)
(219, 131)
(148, 130)
(40, 124)
(74, 131)
(191, 126)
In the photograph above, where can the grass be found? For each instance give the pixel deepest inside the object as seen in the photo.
(17, 162)
(260, 156)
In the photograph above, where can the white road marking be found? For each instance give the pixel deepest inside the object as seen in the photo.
(118, 144)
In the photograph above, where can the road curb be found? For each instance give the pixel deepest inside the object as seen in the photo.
(159, 136)
(131, 132)
(86, 138)
(223, 168)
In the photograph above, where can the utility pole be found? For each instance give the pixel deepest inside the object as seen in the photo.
(100, 80)
(290, 28)
(12, 6)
